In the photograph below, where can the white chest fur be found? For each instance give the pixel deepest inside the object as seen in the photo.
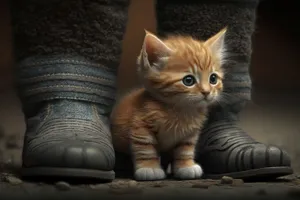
(178, 128)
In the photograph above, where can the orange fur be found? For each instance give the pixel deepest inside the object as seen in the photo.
(168, 113)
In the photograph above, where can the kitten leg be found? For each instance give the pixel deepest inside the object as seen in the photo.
(145, 156)
(184, 166)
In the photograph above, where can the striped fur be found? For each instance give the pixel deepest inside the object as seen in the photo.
(167, 115)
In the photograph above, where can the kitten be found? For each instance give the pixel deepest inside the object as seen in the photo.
(182, 77)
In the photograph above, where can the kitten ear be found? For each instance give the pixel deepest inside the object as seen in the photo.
(217, 42)
(154, 49)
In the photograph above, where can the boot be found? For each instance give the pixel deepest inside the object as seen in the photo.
(224, 148)
(67, 54)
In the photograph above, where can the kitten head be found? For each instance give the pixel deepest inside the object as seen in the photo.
(182, 70)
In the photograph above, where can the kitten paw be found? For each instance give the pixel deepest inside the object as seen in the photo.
(186, 173)
(149, 174)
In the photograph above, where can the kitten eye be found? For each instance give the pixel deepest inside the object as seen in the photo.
(213, 79)
(189, 80)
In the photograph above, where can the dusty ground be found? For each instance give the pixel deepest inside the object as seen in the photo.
(270, 124)
(288, 188)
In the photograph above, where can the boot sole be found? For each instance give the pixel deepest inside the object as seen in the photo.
(67, 173)
(267, 173)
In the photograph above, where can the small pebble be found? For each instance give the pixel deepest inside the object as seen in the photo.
(226, 180)
(12, 180)
(117, 184)
(63, 186)
(125, 187)
(132, 183)
(237, 182)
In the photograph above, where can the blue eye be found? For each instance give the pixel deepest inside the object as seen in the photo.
(213, 79)
(189, 80)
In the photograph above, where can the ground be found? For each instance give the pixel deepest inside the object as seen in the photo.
(288, 188)
(13, 187)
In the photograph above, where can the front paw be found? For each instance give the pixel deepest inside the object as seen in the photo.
(187, 173)
(149, 174)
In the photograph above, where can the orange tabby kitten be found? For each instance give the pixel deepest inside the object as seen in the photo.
(181, 77)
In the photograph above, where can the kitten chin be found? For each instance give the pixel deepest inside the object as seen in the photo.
(182, 77)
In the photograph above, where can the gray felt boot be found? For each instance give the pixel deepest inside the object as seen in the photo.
(67, 56)
(224, 148)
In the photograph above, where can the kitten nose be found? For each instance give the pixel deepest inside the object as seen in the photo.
(205, 93)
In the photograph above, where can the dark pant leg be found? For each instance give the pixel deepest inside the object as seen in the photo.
(225, 149)
(67, 54)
